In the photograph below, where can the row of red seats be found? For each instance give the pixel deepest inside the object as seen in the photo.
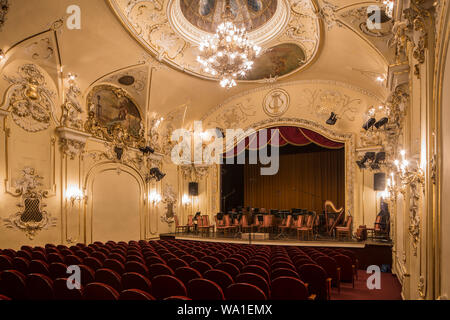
(130, 266)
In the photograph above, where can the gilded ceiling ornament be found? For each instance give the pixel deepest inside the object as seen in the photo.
(31, 216)
(4, 7)
(71, 108)
(236, 114)
(276, 102)
(29, 99)
(328, 13)
(419, 19)
(41, 49)
(172, 35)
(324, 101)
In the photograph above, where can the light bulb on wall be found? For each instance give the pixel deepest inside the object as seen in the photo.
(154, 197)
(185, 200)
(73, 194)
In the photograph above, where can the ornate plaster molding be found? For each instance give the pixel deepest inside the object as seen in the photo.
(72, 142)
(29, 100)
(31, 217)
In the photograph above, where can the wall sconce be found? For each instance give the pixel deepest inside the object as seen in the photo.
(154, 197)
(185, 200)
(407, 174)
(74, 194)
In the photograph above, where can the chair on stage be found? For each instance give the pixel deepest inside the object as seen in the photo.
(267, 225)
(245, 227)
(286, 226)
(205, 227)
(179, 227)
(345, 230)
(307, 229)
(190, 225)
(380, 230)
(227, 227)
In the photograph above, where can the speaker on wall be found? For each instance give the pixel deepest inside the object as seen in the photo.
(193, 188)
(379, 181)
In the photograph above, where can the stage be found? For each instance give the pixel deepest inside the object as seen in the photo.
(369, 252)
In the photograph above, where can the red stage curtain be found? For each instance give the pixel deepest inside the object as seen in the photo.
(287, 135)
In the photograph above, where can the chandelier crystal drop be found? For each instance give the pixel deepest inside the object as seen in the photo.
(228, 54)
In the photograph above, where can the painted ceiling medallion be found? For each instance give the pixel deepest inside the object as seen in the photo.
(172, 30)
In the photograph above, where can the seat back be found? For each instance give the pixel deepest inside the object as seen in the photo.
(13, 284)
(39, 287)
(316, 278)
(204, 289)
(187, 274)
(256, 280)
(135, 294)
(134, 280)
(244, 291)
(99, 291)
(166, 286)
(288, 288)
(222, 278)
(109, 277)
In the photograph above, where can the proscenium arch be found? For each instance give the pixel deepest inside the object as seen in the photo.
(88, 184)
(348, 139)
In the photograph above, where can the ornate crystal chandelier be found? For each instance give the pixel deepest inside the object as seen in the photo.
(228, 54)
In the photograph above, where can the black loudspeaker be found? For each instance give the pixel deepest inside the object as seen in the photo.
(193, 188)
(379, 181)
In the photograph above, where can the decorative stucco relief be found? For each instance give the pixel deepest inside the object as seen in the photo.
(29, 99)
(31, 217)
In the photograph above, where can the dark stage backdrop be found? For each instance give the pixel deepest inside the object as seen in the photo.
(306, 178)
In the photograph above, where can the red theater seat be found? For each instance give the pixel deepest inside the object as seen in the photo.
(109, 277)
(258, 270)
(135, 266)
(229, 268)
(159, 269)
(223, 279)
(289, 288)
(284, 272)
(133, 280)
(62, 292)
(244, 291)
(165, 286)
(38, 266)
(6, 263)
(39, 287)
(57, 270)
(13, 284)
(93, 263)
(99, 291)
(115, 265)
(186, 274)
(201, 266)
(135, 294)
(256, 280)
(317, 280)
(21, 264)
(176, 263)
(204, 289)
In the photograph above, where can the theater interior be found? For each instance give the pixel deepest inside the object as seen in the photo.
(224, 150)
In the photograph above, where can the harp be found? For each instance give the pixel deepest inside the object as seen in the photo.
(339, 212)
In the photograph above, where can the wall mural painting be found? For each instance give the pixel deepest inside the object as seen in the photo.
(112, 107)
(277, 61)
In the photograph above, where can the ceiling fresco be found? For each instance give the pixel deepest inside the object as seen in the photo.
(288, 31)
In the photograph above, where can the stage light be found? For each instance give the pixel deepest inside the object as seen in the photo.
(332, 119)
(156, 174)
(147, 149)
(369, 124)
(370, 156)
(380, 157)
(381, 122)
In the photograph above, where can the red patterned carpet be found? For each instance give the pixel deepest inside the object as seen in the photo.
(390, 289)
